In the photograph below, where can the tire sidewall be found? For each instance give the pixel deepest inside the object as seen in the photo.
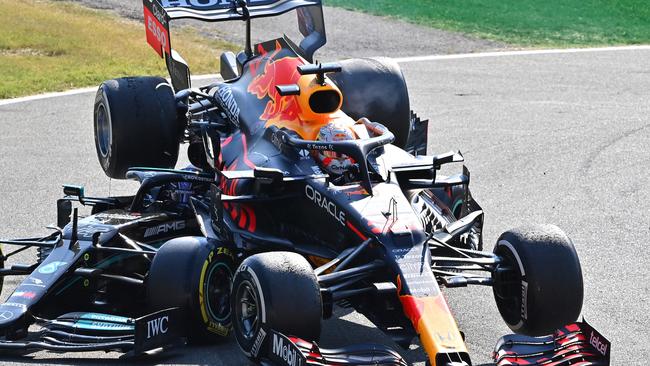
(144, 126)
(505, 249)
(251, 347)
(550, 279)
(101, 101)
(278, 288)
(219, 260)
(181, 278)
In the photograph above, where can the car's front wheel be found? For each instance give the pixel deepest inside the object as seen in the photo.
(194, 274)
(278, 291)
(538, 286)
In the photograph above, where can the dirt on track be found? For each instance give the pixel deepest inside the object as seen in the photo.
(350, 34)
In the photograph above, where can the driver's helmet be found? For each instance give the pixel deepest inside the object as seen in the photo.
(330, 161)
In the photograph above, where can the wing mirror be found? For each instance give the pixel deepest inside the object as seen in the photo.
(229, 69)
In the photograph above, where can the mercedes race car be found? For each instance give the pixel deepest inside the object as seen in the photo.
(309, 188)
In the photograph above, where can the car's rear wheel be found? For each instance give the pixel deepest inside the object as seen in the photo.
(136, 124)
(278, 291)
(196, 275)
(538, 287)
(376, 89)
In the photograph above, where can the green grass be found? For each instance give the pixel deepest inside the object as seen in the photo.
(562, 23)
(53, 46)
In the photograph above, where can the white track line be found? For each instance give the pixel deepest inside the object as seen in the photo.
(399, 60)
(47, 95)
(519, 53)
(81, 91)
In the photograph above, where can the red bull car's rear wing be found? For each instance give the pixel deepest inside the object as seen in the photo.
(219, 10)
(158, 14)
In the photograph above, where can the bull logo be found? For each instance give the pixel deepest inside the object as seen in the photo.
(279, 111)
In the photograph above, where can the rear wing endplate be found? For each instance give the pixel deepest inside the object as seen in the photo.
(156, 23)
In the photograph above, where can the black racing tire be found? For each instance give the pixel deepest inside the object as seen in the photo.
(544, 289)
(375, 88)
(136, 124)
(196, 275)
(278, 291)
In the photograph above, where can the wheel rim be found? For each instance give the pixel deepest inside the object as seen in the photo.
(507, 293)
(218, 287)
(248, 311)
(104, 133)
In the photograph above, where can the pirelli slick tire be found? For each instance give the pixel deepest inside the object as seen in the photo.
(538, 288)
(279, 291)
(196, 275)
(136, 124)
(375, 88)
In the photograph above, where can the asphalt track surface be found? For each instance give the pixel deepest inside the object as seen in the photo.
(556, 138)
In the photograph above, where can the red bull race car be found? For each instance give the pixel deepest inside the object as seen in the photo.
(309, 188)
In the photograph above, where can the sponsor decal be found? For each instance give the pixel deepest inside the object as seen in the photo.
(286, 352)
(164, 228)
(216, 210)
(24, 294)
(33, 281)
(183, 192)
(316, 170)
(113, 218)
(22, 307)
(304, 154)
(157, 27)
(96, 321)
(208, 4)
(446, 338)
(198, 178)
(6, 315)
(599, 344)
(194, 3)
(51, 267)
(104, 317)
(156, 330)
(85, 324)
(229, 104)
(105, 217)
(258, 342)
(225, 251)
(87, 231)
(327, 205)
(280, 111)
(524, 300)
(217, 329)
(329, 147)
(157, 326)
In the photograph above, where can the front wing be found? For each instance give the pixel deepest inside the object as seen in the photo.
(574, 344)
(82, 332)
(278, 349)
